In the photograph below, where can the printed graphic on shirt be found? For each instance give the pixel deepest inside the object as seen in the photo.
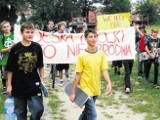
(8, 43)
(154, 46)
(27, 62)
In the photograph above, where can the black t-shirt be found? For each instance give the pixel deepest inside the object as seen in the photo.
(153, 44)
(24, 62)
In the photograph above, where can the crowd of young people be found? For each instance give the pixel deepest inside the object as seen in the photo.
(23, 68)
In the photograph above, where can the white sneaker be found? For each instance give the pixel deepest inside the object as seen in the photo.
(128, 90)
(61, 83)
(68, 79)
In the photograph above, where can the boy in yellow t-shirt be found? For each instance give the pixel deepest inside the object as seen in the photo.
(89, 66)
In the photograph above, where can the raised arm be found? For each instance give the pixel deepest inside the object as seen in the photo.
(137, 29)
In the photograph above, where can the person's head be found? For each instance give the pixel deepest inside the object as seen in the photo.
(50, 24)
(61, 26)
(6, 27)
(154, 32)
(91, 37)
(27, 31)
(142, 29)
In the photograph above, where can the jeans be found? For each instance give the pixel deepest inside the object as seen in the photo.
(141, 72)
(35, 105)
(148, 64)
(3, 76)
(128, 64)
(89, 112)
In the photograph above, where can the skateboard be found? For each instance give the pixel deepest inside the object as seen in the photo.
(80, 96)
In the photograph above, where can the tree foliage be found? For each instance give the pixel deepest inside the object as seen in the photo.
(148, 8)
(116, 6)
(43, 10)
(9, 8)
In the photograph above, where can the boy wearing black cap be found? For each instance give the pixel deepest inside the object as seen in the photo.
(140, 47)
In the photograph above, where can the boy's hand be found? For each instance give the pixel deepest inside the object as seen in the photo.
(9, 90)
(108, 89)
(72, 97)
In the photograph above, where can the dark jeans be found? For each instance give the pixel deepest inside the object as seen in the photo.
(128, 64)
(3, 76)
(89, 112)
(35, 105)
(141, 70)
(148, 64)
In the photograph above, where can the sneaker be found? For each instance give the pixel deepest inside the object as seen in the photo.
(61, 83)
(156, 86)
(68, 79)
(128, 90)
(4, 90)
(139, 77)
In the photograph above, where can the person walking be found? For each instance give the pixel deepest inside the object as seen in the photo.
(51, 28)
(128, 65)
(152, 44)
(140, 48)
(6, 42)
(89, 66)
(61, 67)
(117, 66)
(25, 75)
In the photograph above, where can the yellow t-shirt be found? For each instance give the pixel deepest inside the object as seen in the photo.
(90, 65)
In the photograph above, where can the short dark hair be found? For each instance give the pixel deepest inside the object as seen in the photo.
(90, 30)
(49, 21)
(141, 27)
(27, 25)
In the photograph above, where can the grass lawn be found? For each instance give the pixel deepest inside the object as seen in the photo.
(143, 97)
(148, 28)
(2, 99)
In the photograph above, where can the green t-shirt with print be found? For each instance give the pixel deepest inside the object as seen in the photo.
(5, 42)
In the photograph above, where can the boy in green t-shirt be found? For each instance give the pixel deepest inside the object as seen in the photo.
(90, 64)
(6, 42)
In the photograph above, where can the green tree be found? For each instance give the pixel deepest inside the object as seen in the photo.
(148, 8)
(116, 6)
(9, 8)
(86, 5)
(43, 10)
(56, 10)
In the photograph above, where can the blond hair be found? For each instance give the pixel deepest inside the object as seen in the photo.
(3, 23)
(61, 23)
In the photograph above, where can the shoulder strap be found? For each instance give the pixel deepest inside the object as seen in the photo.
(3, 38)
